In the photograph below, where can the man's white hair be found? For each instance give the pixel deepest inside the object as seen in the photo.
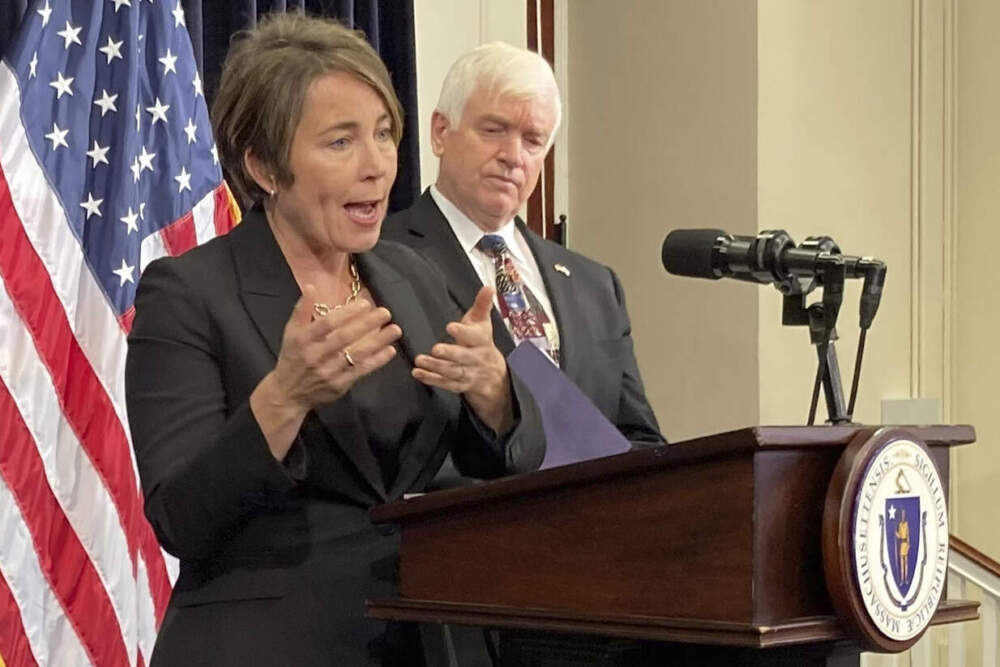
(501, 70)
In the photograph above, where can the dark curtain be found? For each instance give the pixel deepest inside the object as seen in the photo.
(388, 25)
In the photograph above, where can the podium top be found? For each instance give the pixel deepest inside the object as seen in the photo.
(745, 441)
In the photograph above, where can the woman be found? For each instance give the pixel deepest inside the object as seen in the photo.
(286, 377)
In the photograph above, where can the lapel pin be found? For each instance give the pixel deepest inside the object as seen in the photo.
(561, 269)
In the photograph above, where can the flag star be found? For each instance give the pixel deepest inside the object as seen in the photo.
(130, 221)
(34, 64)
(183, 180)
(146, 160)
(57, 137)
(119, 3)
(142, 210)
(107, 102)
(92, 205)
(138, 118)
(190, 129)
(178, 13)
(158, 111)
(112, 49)
(197, 84)
(45, 12)
(892, 512)
(215, 154)
(99, 154)
(62, 85)
(71, 35)
(169, 61)
(136, 170)
(125, 273)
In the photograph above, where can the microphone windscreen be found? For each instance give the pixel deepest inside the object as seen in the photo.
(688, 252)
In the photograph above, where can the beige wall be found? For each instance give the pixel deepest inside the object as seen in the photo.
(977, 311)
(663, 135)
(833, 156)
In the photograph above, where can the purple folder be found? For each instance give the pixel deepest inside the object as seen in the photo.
(575, 430)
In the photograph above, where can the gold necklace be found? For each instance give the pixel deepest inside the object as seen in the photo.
(322, 309)
(355, 282)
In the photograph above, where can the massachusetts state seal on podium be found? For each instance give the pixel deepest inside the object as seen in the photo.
(900, 530)
(886, 551)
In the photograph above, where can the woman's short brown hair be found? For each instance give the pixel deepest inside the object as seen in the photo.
(263, 87)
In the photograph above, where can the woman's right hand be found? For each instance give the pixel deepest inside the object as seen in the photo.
(314, 363)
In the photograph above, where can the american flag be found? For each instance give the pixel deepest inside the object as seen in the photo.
(106, 163)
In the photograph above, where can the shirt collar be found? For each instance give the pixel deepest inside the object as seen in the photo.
(468, 232)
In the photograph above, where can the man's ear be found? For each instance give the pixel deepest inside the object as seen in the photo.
(258, 171)
(439, 126)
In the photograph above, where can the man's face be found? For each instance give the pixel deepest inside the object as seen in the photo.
(489, 164)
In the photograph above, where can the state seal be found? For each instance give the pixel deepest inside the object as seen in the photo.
(896, 546)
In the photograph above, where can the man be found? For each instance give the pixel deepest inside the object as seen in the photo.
(495, 121)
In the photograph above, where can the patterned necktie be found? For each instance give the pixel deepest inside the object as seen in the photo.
(522, 313)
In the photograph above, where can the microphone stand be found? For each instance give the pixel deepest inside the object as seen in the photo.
(821, 318)
(827, 370)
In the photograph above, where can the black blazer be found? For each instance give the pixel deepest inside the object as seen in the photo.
(595, 335)
(277, 559)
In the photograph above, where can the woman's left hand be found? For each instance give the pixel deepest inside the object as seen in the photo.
(472, 365)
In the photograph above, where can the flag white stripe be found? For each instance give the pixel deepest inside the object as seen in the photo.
(50, 634)
(90, 316)
(75, 483)
(204, 218)
(152, 247)
(146, 613)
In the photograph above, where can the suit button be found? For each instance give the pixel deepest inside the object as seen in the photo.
(388, 529)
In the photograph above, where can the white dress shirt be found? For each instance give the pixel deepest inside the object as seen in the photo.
(468, 234)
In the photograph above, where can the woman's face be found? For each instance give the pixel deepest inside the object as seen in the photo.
(343, 163)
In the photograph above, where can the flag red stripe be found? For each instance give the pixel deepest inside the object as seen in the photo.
(14, 647)
(179, 235)
(126, 319)
(65, 563)
(83, 400)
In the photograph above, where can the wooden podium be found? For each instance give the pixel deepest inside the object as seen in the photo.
(708, 551)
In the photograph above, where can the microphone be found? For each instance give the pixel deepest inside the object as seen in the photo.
(771, 257)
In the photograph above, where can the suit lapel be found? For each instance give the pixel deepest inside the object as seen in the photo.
(559, 289)
(438, 245)
(269, 293)
(391, 290)
(267, 286)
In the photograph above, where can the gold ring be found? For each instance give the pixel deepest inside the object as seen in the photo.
(347, 356)
(320, 310)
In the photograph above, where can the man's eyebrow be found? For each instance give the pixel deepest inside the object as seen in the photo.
(493, 118)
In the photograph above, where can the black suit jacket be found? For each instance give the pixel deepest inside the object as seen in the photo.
(595, 335)
(277, 559)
